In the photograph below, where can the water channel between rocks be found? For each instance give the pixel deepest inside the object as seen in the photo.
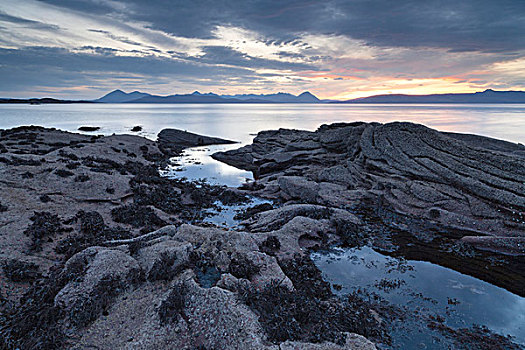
(426, 292)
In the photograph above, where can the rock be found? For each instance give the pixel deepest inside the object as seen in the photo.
(173, 141)
(89, 128)
(461, 183)
(101, 274)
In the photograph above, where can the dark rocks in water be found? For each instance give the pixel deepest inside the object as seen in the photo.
(173, 141)
(89, 128)
(251, 211)
(136, 128)
(3, 207)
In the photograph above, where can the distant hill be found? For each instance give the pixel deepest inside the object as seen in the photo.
(280, 97)
(38, 101)
(119, 96)
(487, 96)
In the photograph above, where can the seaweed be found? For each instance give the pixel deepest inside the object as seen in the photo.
(242, 267)
(93, 231)
(20, 271)
(44, 224)
(172, 307)
(82, 178)
(63, 173)
(45, 198)
(137, 216)
(270, 245)
(163, 268)
(310, 313)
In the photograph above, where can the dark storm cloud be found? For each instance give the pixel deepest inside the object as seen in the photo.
(40, 66)
(467, 25)
(70, 61)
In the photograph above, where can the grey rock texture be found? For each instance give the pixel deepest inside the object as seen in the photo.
(472, 185)
(96, 279)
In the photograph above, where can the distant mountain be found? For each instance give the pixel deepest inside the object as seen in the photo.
(119, 96)
(195, 97)
(280, 97)
(487, 96)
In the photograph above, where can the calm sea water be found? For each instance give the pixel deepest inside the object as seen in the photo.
(239, 121)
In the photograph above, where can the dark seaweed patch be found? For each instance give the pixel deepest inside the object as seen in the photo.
(172, 307)
(242, 267)
(45, 198)
(270, 245)
(82, 178)
(20, 271)
(310, 313)
(63, 173)
(137, 216)
(44, 224)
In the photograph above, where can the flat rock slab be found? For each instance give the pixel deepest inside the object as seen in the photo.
(172, 141)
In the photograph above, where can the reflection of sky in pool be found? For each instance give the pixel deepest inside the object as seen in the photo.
(224, 216)
(196, 163)
(479, 302)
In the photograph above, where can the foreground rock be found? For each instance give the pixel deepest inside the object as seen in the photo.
(96, 252)
(410, 176)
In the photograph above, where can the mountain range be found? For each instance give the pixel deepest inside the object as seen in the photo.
(487, 96)
(119, 96)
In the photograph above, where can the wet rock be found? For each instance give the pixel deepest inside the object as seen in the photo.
(136, 128)
(89, 128)
(172, 141)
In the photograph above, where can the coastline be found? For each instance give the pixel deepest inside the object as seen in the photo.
(117, 247)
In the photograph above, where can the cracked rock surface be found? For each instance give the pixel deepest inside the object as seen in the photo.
(471, 186)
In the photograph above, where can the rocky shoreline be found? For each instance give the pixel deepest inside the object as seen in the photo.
(98, 250)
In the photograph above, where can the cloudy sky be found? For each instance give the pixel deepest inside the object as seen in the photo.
(333, 48)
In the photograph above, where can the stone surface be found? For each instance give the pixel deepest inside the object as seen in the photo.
(466, 184)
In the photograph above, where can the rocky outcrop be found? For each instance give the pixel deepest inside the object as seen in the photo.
(188, 287)
(466, 184)
(173, 141)
(94, 255)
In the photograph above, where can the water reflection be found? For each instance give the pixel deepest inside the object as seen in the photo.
(238, 121)
(431, 289)
(196, 164)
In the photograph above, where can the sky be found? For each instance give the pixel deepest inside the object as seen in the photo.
(82, 49)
